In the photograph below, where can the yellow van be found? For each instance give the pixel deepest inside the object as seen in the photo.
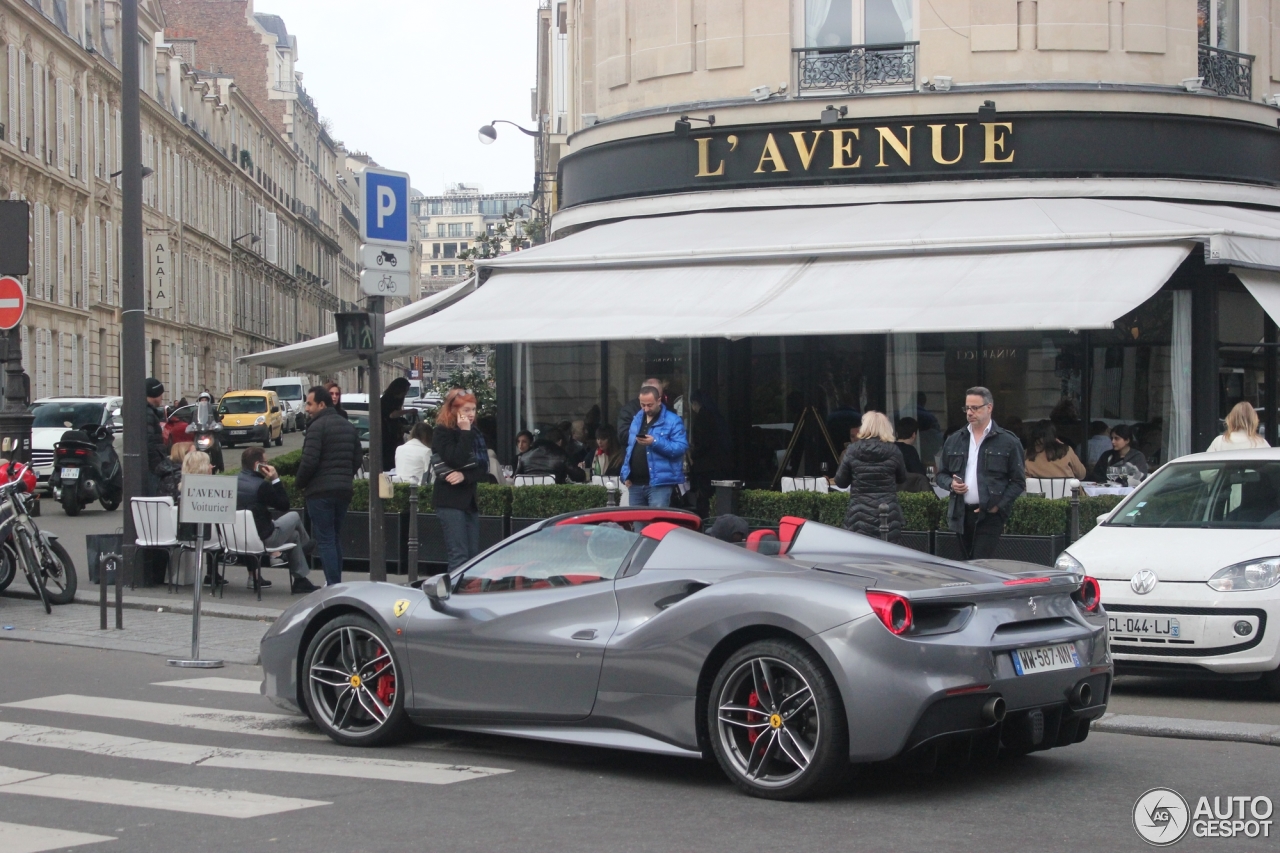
(249, 416)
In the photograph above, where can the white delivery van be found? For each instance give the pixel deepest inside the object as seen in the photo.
(292, 391)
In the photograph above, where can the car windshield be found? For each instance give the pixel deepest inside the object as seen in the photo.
(66, 415)
(289, 393)
(1228, 494)
(565, 555)
(186, 414)
(242, 405)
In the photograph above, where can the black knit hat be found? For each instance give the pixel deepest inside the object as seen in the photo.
(154, 387)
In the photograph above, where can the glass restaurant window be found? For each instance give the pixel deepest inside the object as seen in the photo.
(831, 23)
(556, 383)
(1218, 23)
(632, 362)
(1242, 369)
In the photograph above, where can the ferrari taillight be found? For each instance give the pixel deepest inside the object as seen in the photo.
(892, 609)
(1089, 596)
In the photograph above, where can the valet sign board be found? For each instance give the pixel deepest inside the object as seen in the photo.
(208, 499)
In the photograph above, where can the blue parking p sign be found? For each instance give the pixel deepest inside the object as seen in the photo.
(385, 218)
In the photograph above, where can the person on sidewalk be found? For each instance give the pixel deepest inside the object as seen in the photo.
(548, 458)
(156, 452)
(656, 445)
(1241, 431)
(331, 456)
(413, 458)
(259, 490)
(457, 472)
(627, 411)
(982, 467)
(872, 469)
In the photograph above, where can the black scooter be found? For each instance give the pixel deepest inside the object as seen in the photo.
(86, 468)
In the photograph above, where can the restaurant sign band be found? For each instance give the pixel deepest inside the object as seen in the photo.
(972, 146)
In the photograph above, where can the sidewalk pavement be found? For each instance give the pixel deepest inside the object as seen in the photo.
(155, 621)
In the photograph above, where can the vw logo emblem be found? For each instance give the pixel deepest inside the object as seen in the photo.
(1143, 582)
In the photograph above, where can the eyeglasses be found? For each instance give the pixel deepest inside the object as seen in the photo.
(974, 408)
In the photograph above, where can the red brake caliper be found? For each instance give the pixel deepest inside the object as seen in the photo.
(753, 701)
(386, 683)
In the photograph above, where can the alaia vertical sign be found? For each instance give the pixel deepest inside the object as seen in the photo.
(161, 285)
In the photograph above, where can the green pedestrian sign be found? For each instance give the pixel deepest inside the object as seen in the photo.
(357, 332)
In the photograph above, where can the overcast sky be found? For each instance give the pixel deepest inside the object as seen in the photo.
(411, 81)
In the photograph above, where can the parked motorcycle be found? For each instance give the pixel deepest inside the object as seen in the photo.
(43, 560)
(86, 468)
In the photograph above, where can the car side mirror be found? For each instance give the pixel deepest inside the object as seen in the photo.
(1103, 517)
(275, 409)
(437, 587)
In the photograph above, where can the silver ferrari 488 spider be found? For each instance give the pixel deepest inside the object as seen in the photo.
(789, 656)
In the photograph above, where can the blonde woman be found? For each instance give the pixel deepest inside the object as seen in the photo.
(1241, 432)
(193, 462)
(872, 468)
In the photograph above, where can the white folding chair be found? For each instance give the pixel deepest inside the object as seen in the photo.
(788, 484)
(156, 520)
(1034, 487)
(240, 540)
(534, 480)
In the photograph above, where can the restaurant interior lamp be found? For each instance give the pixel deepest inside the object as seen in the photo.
(831, 115)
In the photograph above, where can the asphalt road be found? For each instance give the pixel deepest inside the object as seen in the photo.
(550, 797)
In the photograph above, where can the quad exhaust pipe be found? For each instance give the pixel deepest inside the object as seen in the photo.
(1081, 695)
(993, 710)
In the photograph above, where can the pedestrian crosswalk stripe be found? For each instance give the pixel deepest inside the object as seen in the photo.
(222, 685)
(173, 798)
(184, 716)
(20, 838)
(349, 766)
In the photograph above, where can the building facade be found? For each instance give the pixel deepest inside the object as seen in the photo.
(833, 206)
(450, 223)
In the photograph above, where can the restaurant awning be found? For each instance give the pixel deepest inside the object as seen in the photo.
(1265, 287)
(321, 355)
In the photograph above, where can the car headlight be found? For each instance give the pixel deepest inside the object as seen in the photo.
(1068, 563)
(1257, 574)
(262, 419)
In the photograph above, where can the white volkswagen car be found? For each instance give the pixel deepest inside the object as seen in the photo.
(1189, 566)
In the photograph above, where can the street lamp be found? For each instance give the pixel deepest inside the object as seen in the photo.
(253, 238)
(489, 133)
(147, 172)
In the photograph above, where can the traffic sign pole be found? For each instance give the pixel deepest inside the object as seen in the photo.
(377, 521)
(15, 420)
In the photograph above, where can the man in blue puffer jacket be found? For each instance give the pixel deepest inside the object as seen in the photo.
(654, 462)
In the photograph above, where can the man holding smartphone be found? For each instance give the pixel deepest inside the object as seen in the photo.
(654, 459)
(982, 467)
(260, 491)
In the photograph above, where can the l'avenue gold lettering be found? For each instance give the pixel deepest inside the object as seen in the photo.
(771, 154)
(894, 147)
(704, 156)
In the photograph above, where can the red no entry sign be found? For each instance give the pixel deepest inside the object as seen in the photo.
(13, 301)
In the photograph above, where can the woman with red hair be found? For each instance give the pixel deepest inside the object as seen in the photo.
(453, 449)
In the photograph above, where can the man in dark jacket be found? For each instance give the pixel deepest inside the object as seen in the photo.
(156, 452)
(547, 458)
(259, 490)
(331, 456)
(982, 467)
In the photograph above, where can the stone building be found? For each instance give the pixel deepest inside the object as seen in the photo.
(450, 222)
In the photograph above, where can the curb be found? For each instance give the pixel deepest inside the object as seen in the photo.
(1174, 727)
(221, 611)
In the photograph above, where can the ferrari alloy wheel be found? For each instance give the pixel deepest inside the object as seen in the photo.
(776, 722)
(353, 683)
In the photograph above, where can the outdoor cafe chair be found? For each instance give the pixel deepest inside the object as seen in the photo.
(239, 540)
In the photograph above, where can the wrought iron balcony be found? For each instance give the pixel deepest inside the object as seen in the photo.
(1226, 72)
(856, 69)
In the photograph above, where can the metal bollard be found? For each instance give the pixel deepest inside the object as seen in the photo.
(884, 522)
(1074, 533)
(412, 556)
(611, 489)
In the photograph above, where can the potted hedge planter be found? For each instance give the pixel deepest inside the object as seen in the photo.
(531, 504)
(355, 528)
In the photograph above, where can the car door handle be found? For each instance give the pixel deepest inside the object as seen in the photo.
(585, 634)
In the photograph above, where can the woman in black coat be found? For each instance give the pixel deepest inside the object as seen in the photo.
(872, 468)
(454, 495)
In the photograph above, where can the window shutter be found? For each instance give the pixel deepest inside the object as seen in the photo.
(37, 244)
(117, 292)
(97, 259)
(37, 111)
(14, 133)
(49, 269)
(60, 363)
(84, 264)
(273, 242)
(108, 292)
(86, 369)
(73, 261)
(82, 145)
(60, 252)
(59, 116)
(22, 99)
(116, 134)
(106, 142)
(74, 381)
(97, 138)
